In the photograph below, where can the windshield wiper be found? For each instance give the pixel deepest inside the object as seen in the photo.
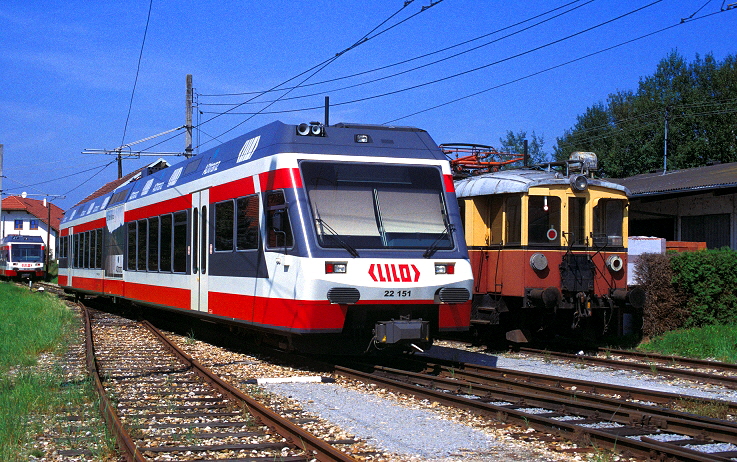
(449, 228)
(336, 236)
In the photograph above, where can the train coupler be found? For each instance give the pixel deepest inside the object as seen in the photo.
(389, 332)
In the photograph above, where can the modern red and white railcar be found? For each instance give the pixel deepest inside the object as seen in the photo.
(344, 236)
(22, 257)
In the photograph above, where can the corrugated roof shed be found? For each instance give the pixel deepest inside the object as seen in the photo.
(35, 208)
(719, 176)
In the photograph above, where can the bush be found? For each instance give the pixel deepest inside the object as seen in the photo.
(709, 279)
(665, 307)
(688, 289)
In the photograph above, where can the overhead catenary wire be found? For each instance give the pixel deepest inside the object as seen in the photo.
(557, 66)
(138, 70)
(425, 55)
(326, 63)
(484, 66)
(423, 66)
(315, 68)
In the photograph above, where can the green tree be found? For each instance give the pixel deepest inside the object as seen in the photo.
(627, 132)
(515, 142)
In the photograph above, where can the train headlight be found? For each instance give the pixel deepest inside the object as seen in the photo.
(579, 183)
(311, 129)
(332, 267)
(445, 268)
(615, 263)
(538, 261)
(362, 138)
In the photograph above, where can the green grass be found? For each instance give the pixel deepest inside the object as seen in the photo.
(32, 323)
(710, 342)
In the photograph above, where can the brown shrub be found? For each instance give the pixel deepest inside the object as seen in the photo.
(665, 307)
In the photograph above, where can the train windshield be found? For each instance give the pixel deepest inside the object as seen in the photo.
(26, 253)
(369, 206)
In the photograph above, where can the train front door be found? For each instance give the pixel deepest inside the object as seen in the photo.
(199, 250)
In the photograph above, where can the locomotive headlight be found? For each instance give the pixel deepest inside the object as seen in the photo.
(362, 138)
(445, 268)
(538, 261)
(332, 267)
(615, 263)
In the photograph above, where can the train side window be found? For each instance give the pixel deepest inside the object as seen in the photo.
(576, 220)
(195, 233)
(224, 225)
(165, 250)
(98, 249)
(513, 219)
(204, 240)
(83, 244)
(132, 241)
(277, 220)
(153, 244)
(608, 222)
(543, 220)
(75, 250)
(180, 242)
(247, 223)
(92, 246)
(142, 238)
(495, 219)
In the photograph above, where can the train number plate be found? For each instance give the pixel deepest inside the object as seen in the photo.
(397, 293)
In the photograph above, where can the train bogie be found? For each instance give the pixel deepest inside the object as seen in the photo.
(346, 237)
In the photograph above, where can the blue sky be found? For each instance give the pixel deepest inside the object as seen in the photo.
(67, 70)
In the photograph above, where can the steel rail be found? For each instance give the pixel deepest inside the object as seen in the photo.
(691, 362)
(633, 393)
(295, 435)
(608, 409)
(584, 435)
(126, 445)
(580, 394)
(727, 381)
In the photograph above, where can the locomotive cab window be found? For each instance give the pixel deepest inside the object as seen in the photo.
(513, 220)
(277, 220)
(543, 220)
(366, 206)
(608, 223)
(576, 221)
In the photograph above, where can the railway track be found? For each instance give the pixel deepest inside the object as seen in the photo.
(163, 404)
(633, 428)
(724, 374)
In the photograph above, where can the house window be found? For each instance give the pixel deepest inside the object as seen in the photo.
(18, 224)
(34, 224)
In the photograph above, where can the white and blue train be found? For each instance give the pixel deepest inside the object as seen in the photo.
(340, 238)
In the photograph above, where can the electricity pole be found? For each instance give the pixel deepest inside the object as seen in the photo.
(188, 120)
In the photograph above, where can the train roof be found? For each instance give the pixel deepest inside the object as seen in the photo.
(274, 138)
(519, 181)
(19, 238)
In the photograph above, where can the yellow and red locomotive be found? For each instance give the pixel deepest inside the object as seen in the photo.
(548, 248)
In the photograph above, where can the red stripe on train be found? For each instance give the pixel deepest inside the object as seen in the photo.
(280, 179)
(160, 295)
(237, 188)
(452, 317)
(94, 224)
(298, 314)
(160, 208)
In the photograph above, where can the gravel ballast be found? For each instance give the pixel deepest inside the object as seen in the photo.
(385, 424)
